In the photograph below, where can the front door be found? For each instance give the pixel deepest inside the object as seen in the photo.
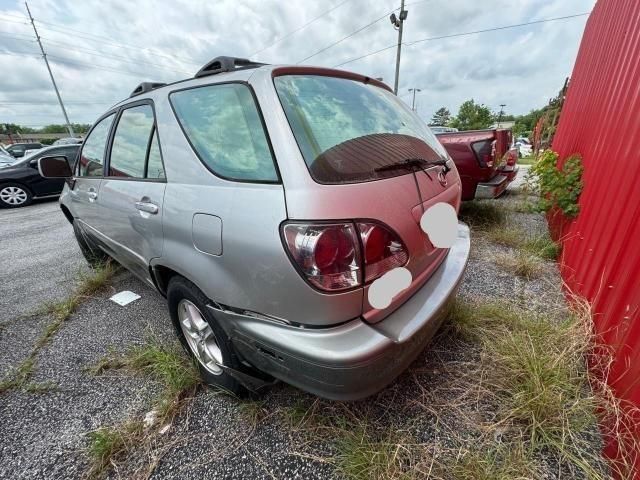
(89, 173)
(131, 195)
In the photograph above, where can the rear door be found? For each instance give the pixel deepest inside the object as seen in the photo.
(132, 193)
(89, 173)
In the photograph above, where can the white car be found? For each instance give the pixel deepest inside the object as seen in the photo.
(525, 149)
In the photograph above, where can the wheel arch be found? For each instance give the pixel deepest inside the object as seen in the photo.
(162, 275)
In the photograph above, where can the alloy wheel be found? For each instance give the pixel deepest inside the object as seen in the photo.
(13, 195)
(200, 337)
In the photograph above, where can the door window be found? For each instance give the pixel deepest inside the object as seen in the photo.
(93, 150)
(224, 127)
(131, 142)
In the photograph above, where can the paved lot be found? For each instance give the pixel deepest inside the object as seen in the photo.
(39, 258)
(44, 435)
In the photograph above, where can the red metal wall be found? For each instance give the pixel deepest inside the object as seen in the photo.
(601, 121)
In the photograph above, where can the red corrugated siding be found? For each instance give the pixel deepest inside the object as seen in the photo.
(601, 121)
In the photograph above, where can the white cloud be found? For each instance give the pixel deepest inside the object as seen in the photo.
(166, 41)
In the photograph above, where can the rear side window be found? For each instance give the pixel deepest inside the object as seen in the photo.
(224, 127)
(155, 167)
(131, 142)
(93, 150)
(349, 131)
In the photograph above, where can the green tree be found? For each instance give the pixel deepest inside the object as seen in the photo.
(441, 117)
(473, 116)
(77, 128)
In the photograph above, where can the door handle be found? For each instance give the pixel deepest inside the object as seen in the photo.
(147, 207)
(92, 194)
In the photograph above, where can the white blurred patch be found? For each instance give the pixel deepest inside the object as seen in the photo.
(383, 289)
(125, 297)
(440, 222)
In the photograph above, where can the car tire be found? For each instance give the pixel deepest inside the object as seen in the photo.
(92, 254)
(15, 195)
(201, 335)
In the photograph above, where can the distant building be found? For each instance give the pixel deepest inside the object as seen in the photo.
(505, 124)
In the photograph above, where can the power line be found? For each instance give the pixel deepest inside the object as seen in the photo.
(106, 41)
(428, 39)
(344, 38)
(14, 35)
(462, 34)
(69, 61)
(299, 28)
(51, 102)
(68, 47)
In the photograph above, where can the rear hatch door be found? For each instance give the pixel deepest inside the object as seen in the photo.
(353, 135)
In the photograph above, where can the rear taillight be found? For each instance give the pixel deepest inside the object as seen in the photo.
(327, 255)
(485, 151)
(332, 257)
(383, 250)
(512, 157)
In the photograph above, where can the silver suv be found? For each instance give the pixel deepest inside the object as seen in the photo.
(282, 211)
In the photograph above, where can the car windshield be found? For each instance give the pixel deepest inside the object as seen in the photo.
(348, 131)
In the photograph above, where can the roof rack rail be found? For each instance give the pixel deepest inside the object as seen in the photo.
(145, 87)
(226, 64)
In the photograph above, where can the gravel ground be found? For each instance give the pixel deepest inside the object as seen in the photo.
(40, 258)
(44, 435)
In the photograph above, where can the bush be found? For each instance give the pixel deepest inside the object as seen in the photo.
(558, 188)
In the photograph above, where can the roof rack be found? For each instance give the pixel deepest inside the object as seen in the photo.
(226, 64)
(145, 87)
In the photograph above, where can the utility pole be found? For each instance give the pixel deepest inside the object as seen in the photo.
(44, 55)
(413, 102)
(398, 23)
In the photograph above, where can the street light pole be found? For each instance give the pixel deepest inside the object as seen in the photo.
(413, 102)
(44, 55)
(502, 105)
(398, 23)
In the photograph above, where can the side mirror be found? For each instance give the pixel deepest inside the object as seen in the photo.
(54, 167)
(17, 153)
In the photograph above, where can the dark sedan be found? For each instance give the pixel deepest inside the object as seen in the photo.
(21, 182)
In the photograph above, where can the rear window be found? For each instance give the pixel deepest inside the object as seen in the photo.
(348, 130)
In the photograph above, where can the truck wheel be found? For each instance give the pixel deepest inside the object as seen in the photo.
(201, 336)
(14, 195)
(92, 254)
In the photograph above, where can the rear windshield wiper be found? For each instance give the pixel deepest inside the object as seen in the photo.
(411, 164)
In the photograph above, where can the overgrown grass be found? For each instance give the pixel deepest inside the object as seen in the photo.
(502, 462)
(482, 214)
(513, 237)
(166, 364)
(88, 284)
(534, 371)
(363, 456)
(108, 443)
(520, 263)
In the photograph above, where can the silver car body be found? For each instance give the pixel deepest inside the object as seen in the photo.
(225, 237)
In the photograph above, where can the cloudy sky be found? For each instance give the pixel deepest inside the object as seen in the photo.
(100, 50)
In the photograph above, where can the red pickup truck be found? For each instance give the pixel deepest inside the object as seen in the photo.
(485, 161)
